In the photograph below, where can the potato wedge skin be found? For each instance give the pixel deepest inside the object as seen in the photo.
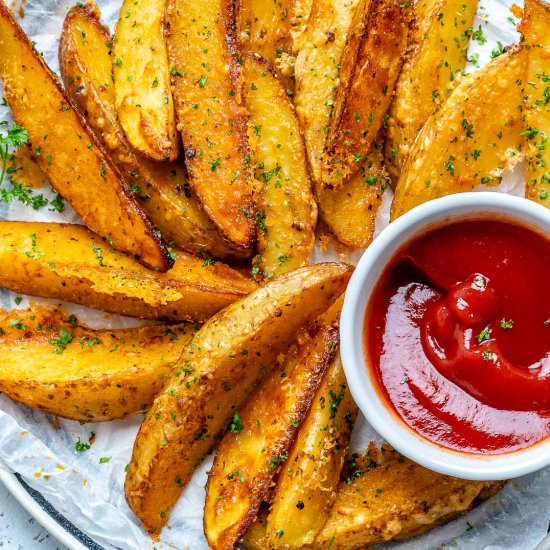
(84, 380)
(307, 484)
(59, 135)
(86, 66)
(142, 80)
(286, 209)
(469, 140)
(316, 72)
(232, 351)
(437, 46)
(350, 212)
(248, 459)
(535, 24)
(207, 92)
(68, 262)
(388, 498)
(371, 63)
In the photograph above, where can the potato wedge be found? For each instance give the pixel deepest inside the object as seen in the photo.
(69, 153)
(350, 212)
(207, 91)
(68, 262)
(370, 65)
(300, 13)
(162, 188)
(438, 43)
(227, 357)
(52, 364)
(258, 442)
(23, 168)
(316, 72)
(142, 80)
(307, 484)
(534, 27)
(264, 27)
(472, 139)
(286, 210)
(388, 497)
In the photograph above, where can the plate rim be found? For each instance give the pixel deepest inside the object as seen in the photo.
(33, 507)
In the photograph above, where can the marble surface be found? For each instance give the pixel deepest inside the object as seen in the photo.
(18, 530)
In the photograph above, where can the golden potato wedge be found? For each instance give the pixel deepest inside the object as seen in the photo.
(206, 81)
(300, 12)
(258, 442)
(370, 65)
(438, 45)
(316, 72)
(264, 27)
(51, 363)
(307, 483)
(534, 27)
(350, 212)
(69, 153)
(23, 168)
(142, 80)
(472, 139)
(388, 497)
(286, 210)
(68, 262)
(85, 61)
(227, 357)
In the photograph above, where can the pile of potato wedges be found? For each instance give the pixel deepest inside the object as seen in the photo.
(200, 144)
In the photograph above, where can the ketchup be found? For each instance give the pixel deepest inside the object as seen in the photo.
(457, 333)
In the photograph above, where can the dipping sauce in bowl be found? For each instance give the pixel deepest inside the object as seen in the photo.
(457, 334)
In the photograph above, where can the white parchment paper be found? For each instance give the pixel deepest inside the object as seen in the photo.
(90, 494)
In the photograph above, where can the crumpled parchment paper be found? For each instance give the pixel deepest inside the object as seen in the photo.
(90, 494)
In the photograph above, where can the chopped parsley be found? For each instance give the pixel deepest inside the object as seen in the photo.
(236, 425)
(62, 341)
(506, 324)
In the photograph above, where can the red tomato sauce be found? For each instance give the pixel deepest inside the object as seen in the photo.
(457, 333)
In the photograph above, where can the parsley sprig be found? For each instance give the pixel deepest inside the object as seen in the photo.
(11, 139)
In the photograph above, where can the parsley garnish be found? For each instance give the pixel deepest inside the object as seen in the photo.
(236, 426)
(65, 337)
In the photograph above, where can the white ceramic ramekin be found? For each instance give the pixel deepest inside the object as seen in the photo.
(465, 206)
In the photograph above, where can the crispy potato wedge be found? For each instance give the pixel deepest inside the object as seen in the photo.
(69, 153)
(68, 262)
(286, 210)
(142, 80)
(350, 212)
(300, 12)
(472, 139)
(438, 43)
(23, 168)
(388, 497)
(316, 72)
(264, 27)
(258, 442)
(227, 357)
(307, 484)
(51, 363)
(370, 65)
(162, 188)
(207, 91)
(534, 27)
